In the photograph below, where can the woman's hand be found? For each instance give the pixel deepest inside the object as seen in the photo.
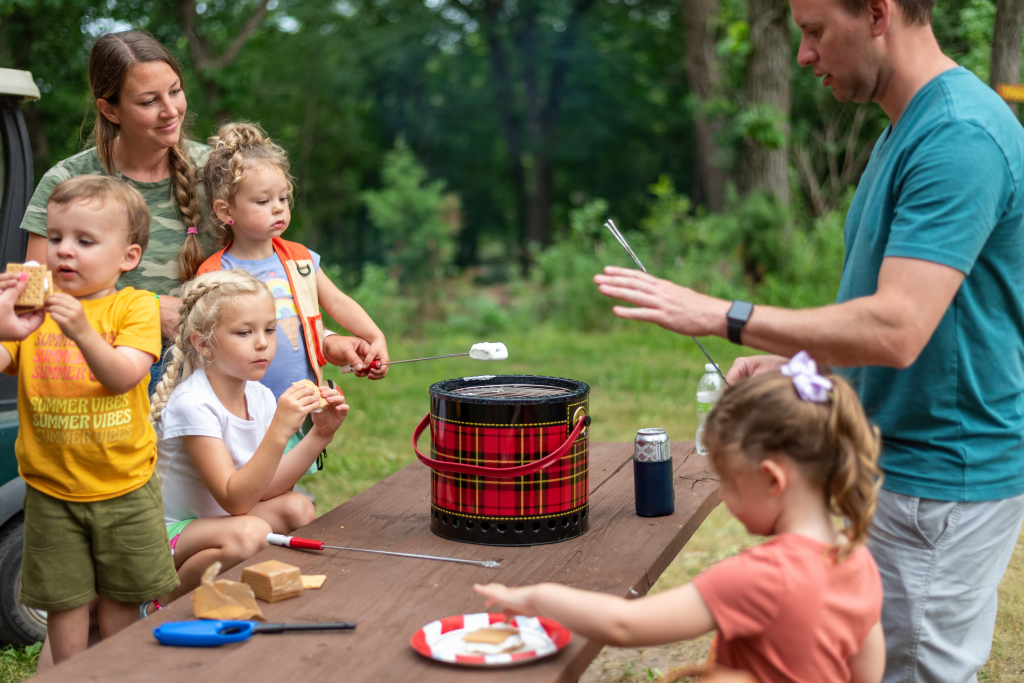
(298, 401)
(333, 414)
(169, 316)
(514, 601)
(14, 327)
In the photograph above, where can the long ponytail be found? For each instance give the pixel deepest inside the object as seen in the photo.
(832, 443)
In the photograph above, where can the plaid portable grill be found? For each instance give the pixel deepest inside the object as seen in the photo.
(509, 464)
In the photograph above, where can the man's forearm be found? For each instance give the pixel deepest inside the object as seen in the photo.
(850, 334)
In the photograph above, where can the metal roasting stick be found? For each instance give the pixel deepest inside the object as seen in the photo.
(376, 365)
(310, 544)
(614, 230)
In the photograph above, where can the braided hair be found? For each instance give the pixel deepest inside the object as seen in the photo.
(235, 148)
(202, 305)
(110, 63)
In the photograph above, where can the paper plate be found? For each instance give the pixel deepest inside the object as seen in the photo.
(442, 640)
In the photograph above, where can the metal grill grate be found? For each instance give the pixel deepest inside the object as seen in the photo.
(511, 391)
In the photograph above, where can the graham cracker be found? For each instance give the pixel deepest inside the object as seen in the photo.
(273, 580)
(306, 382)
(313, 581)
(40, 286)
(491, 636)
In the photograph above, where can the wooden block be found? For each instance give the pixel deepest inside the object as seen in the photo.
(273, 580)
(39, 288)
(313, 580)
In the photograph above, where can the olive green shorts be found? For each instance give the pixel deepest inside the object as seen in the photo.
(116, 548)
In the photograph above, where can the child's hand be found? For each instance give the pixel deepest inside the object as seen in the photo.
(68, 313)
(513, 600)
(295, 404)
(333, 414)
(378, 350)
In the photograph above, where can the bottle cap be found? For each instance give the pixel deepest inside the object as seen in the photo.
(710, 367)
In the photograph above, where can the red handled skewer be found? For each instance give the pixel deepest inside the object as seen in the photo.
(309, 544)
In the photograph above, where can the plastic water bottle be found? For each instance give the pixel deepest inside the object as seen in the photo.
(709, 389)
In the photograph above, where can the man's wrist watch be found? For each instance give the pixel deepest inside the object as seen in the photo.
(737, 317)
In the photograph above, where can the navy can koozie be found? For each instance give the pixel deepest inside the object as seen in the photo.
(652, 474)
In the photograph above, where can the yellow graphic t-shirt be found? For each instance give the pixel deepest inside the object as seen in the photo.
(77, 441)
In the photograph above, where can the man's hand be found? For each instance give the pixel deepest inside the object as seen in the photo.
(14, 327)
(68, 313)
(752, 366)
(664, 303)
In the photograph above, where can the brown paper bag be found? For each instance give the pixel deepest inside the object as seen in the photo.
(224, 599)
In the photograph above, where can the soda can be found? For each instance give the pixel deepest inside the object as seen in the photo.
(652, 473)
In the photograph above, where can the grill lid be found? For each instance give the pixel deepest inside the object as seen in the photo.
(510, 391)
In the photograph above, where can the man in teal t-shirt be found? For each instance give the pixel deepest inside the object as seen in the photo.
(928, 325)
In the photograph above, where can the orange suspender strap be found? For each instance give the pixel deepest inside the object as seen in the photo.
(293, 251)
(212, 264)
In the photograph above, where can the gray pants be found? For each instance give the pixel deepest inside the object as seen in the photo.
(941, 564)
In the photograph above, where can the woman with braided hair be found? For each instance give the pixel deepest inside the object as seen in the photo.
(226, 478)
(141, 136)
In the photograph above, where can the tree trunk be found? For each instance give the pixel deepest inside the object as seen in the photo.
(701, 17)
(1006, 40)
(768, 67)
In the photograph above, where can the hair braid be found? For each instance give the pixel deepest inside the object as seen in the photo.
(201, 308)
(183, 183)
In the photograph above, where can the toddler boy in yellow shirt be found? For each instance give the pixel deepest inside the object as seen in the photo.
(94, 521)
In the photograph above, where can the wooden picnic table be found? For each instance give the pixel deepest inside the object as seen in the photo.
(391, 597)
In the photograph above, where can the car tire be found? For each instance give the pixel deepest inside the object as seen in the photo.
(19, 625)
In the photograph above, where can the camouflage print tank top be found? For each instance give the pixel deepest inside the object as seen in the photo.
(158, 271)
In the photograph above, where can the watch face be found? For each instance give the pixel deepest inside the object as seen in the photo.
(740, 311)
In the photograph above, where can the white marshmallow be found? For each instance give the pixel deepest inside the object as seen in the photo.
(31, 263)
(488, 351)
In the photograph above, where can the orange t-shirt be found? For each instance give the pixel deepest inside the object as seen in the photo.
(786, 613)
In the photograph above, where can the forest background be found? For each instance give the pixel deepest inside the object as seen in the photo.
(455, 159)
(454, 163)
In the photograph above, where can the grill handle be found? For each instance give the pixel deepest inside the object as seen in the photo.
(498, 472)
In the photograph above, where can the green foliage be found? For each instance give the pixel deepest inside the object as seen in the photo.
(417, 220)
(763, 123)
(18, 663)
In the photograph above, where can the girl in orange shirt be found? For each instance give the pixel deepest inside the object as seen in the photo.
(792, 450)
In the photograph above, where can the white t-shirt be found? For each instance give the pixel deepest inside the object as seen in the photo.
(194, 410)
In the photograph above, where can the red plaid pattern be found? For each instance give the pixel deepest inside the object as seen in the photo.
(559, 489)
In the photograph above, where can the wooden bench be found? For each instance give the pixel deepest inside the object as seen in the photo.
(391, 597)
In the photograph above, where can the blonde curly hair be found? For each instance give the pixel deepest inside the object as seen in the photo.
(236, 148)
(202, 305)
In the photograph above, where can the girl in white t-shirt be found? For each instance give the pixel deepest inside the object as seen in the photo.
(226, 481)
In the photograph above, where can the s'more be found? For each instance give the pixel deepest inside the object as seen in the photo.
(39, 288)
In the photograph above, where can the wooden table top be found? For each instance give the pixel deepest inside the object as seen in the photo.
(391, 597)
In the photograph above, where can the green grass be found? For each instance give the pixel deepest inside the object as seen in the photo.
(18, 663)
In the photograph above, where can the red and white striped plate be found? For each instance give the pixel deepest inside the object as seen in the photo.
(442, 640)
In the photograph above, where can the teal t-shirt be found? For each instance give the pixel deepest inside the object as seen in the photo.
(945, 185)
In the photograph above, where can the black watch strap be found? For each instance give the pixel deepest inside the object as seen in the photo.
(738, 315)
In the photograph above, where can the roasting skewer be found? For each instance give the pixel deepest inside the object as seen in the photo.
(310, 544)
(482, 351)
(610, 224)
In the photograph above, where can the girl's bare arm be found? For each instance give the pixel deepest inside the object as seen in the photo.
(670, 616)
(868, 665)
(350, 315)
